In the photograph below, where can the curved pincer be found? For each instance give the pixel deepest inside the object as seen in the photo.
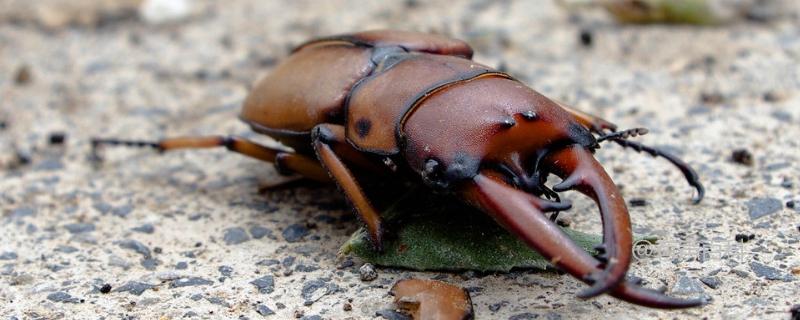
(580, 171)
(522, 214)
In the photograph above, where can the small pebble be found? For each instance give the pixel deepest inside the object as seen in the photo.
(586, 37)
(24, 75)
(265, 284)
(106, 288)
(57, 138)
(22, 212)
(189, 282)
(66, 249)
(314, 290)
(774, 96)
(135, 246)
(742, 156)
(741, 237)
(637, 202)
(264, 310)
(145, 228)
(235, 236)
(259, 232)
(687, 286)
(134, 287)
(532, 316)
(712, 282)
(8, 255)
(76, 228)
(760, 207)
(295, 232)
(149, 264)
(769, 273)
(63, 297)
(226, 271)
(49, 164)
(367, 272)
(122, 211)
(497, 306)
(712, 97)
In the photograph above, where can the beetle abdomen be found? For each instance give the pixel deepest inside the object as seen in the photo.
(307, 89)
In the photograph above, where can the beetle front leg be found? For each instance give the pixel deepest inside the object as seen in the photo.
(329, 143)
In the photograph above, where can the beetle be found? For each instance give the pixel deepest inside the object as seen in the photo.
(414, 105)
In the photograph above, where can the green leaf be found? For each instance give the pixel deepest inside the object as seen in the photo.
(663, 11)
(427, 232)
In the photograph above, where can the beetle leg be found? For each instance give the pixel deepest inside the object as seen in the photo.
(522, 214)
(329, 143)
(284, 160)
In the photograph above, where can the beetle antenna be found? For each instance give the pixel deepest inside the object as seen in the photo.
(621, 138)
(689, 173)
(622, 135)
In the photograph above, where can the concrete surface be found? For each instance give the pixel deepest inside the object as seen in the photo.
(188, 234)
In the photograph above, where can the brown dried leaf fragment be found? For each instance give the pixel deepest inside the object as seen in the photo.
(432, 299)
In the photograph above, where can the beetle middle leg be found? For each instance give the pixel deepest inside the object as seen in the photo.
(285, 161)
(331, 147)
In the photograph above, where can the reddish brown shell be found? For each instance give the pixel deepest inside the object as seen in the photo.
(378, 104)
(311, 86)
(308, 88)
(489, 119)
(411, 41)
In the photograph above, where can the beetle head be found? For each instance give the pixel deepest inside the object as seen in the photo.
(490, 122)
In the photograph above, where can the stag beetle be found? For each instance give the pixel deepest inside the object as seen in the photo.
(406, 104)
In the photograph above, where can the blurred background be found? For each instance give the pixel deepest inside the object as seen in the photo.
(715, 81)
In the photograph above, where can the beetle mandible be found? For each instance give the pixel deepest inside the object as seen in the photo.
(408, 104)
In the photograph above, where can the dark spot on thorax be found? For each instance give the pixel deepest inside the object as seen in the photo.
(362, 127)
